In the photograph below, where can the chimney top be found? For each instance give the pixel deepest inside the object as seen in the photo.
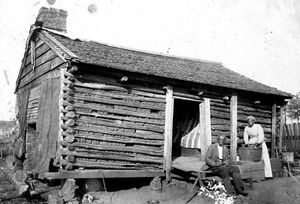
(51, 18)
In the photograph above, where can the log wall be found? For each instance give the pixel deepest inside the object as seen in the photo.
(220, 118)
(110, 127)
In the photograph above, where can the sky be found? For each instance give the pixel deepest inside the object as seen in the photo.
(257, 38)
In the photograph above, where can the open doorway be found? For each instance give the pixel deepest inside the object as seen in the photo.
(186, 124)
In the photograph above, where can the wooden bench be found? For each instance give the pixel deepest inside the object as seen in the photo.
(193, 165)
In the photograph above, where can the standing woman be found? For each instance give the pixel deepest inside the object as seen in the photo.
(254, 136)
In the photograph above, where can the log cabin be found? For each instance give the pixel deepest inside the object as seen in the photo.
(90, 110)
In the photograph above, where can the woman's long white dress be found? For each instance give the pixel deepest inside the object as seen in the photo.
(255, 134)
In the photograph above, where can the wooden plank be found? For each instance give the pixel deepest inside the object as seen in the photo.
(47, 125)
(39, 51)
(169, 114)
(281, 129)
(80, 174)
(48, 56)
(233, 126)
(39, 80)
(273, 130)
(203, 144)
(207, 123)
(44, 68)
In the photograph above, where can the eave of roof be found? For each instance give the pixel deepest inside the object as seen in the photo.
(192, 70)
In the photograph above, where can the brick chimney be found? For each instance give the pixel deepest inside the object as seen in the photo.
(51, 18)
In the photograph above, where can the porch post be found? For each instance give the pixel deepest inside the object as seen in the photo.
(205, 127)
(273, 130)
(233, 126)
(281, 129)
(168, 132)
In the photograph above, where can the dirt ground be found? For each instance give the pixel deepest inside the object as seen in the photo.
(276, 191)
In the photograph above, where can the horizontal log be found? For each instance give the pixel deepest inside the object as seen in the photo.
(120, 158)
(121, 125)
(137, 91)
(121, 140)
(70, 122)
(71, 108)
(70, 158)
(68, 75)
(118, 102)
(122, 118)
(69, 138)
(68, 82)
(128, 134)
(106, 165)
(118, 112)
(73, 69)
(118, 148)
(253, 109)
(119, 96)
(80, 174)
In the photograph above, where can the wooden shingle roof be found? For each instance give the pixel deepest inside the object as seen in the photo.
(192, 70)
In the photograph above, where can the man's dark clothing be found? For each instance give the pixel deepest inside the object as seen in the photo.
(225, 170)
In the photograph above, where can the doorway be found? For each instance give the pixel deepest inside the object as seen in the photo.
(186, 126)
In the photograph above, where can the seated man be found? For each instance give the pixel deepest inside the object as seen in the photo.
(217, 161)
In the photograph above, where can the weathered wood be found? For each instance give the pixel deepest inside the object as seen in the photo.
(121, 158)
(118, 148)
(68, 75)
(233, 126)
(137, 91)
(128, 134)
(116, 102)
(47, 125)
(70, 122)
(73, 69)
(120, 165)
(168, 132)
(119, 112)
(130, 96)
(17, 179)
(205, 126)
(111, 173)
(281, 129)
(273, 130)
(40, 70)
(70, 158)
(67, 82)
(121, 125)
(69, 138)
(121, 118)
(121, 140)
(37, 81)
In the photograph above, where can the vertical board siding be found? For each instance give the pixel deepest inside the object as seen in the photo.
(46, 127)
(117, 128)
(33, 103)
